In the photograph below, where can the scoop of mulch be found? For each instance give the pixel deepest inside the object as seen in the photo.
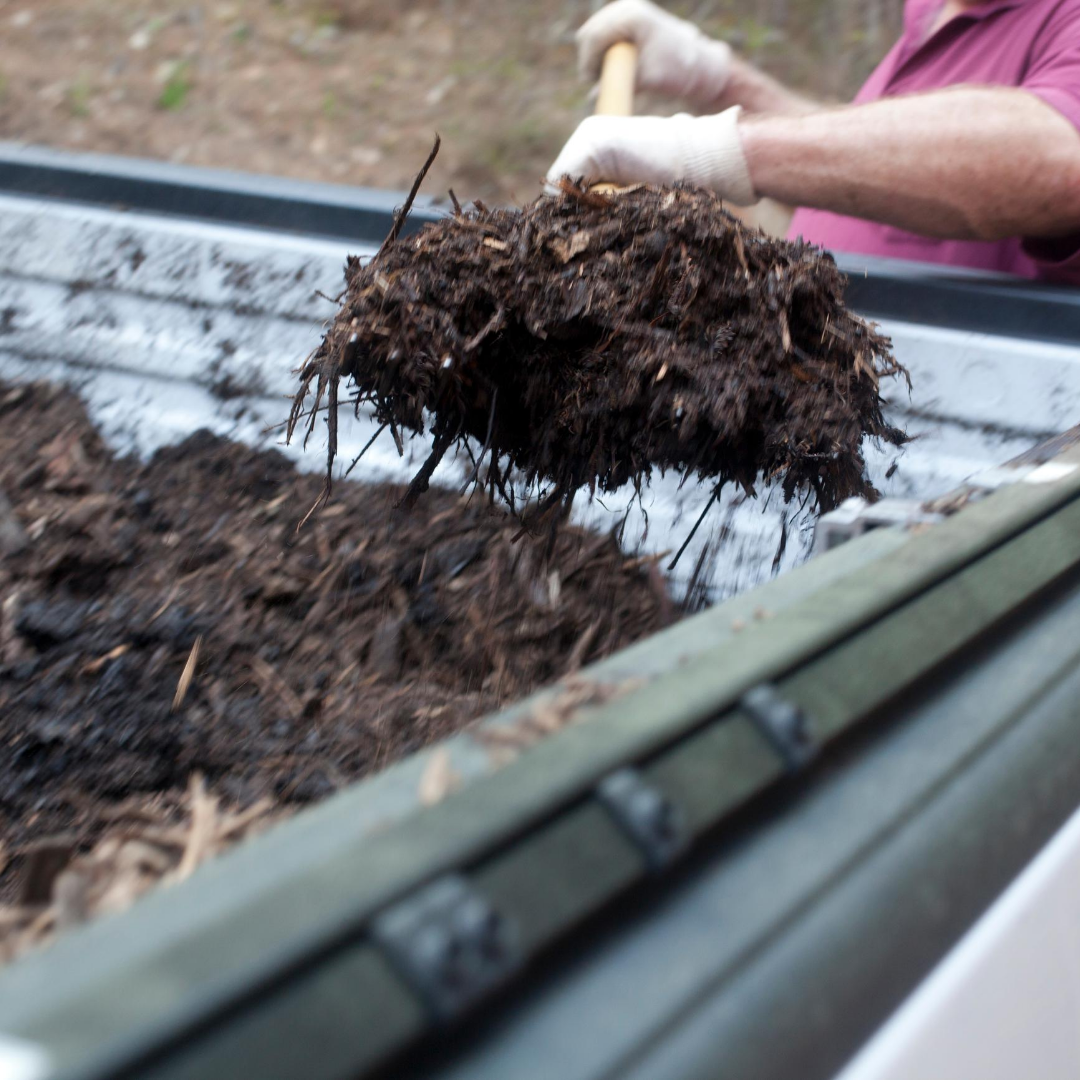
(164, 619)
(589, 339)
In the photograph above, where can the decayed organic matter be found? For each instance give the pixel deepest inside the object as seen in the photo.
(163, 620)
(588, 339)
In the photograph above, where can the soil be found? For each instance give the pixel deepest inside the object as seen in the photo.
(165, 620)
(591, 339)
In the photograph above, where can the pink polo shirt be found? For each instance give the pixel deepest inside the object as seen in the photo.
(1033, 44)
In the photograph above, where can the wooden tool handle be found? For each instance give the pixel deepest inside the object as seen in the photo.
(616, 98)
(617, 75)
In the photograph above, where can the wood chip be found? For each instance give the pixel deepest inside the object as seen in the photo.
(552, 713)
(204, 814)
(439, 779)
(187, 675)
(173, 592)
(566, 250)
(94, 666)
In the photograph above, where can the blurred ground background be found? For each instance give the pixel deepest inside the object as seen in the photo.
(352, 90)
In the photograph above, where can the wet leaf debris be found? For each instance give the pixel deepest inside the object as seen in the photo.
(589, 340)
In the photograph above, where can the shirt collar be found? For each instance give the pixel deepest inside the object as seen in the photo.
(988, 8)
(923, 14)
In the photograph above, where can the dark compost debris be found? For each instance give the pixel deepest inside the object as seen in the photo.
(588, 339)
(165, 621)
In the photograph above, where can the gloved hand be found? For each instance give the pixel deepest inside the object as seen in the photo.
(704, 150)
(674, 56)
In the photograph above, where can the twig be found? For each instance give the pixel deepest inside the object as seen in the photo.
(240, 822)
(580, 649)
(690, 536)
(645, 560)
(493, 324)
(200, 837)
(94, 666)
(403, 213)
(422, 480)
(782, 546)
(367, 447)
(697, 591)
(332, 430)
(165, 604)
(538, 515)
(597, 200)
(397, 439)
(487, 443)
(504, 491)
(320, 389)
(323, 496)
(301, 414)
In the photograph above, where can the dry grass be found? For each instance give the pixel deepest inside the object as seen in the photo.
(351, 90)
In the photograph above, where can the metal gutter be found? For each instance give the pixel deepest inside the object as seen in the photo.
(828, 984)
(782, 952)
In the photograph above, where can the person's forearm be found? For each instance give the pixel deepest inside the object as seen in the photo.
(964, 163)
(757, 92)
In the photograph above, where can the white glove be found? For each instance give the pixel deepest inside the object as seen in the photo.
(704, 150)
(674, 56)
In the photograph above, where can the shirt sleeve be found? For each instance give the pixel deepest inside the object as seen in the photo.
(1054, 71)
(1054, 76)
(1058, 261)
